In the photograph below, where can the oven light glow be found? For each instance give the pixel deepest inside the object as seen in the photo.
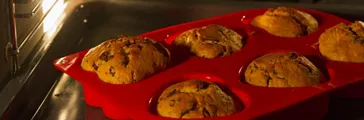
(46, 5)
(51, 19)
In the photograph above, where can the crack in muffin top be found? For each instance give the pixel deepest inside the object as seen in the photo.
(210, 41)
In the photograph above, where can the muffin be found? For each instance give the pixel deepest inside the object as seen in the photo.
(126, 60)
(282, 70)
(194, 99)
(210, 41)
(343, 43)
(286, 22)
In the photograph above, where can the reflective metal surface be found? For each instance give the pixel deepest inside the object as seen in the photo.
(12, 51)
(35, 54)
(30, 29)
(42, 92)
(28, 9)
(66, 102)
(7, 42)
(5, 34)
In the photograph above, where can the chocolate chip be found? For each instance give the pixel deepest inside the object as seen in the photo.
(196, 36)
(276, 74)
(172, 93)
(268, 79)
(358, 39)
(253, 67)
(172, 103)
(133, 77)
(352, 31)
(203, 85)
(126, 60)
(127, 43)
(106, 56)
(95, 66)
(293, 55)
(112, 71)
(223, 51)
(140, 47)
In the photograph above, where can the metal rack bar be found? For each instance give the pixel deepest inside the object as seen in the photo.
(13, 52)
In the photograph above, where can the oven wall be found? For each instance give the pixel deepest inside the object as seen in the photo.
(4, 38)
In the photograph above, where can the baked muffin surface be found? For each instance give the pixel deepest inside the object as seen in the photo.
(194, 99)
(282, 70)
(343, 43)
(286, 22)
(210, 41)
(126, 60)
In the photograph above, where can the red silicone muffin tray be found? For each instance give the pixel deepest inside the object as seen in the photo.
(137, 101)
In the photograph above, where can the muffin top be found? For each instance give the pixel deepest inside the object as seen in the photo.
(126, 60)
(286, 22)
(343, 43)
(194, 99)
(210, 41)
(282, 70)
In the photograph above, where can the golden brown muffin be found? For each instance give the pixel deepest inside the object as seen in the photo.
(343, 43)
(126, 60)
(210, 41)
(194, 99)
(286, 22)
(282, 70)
